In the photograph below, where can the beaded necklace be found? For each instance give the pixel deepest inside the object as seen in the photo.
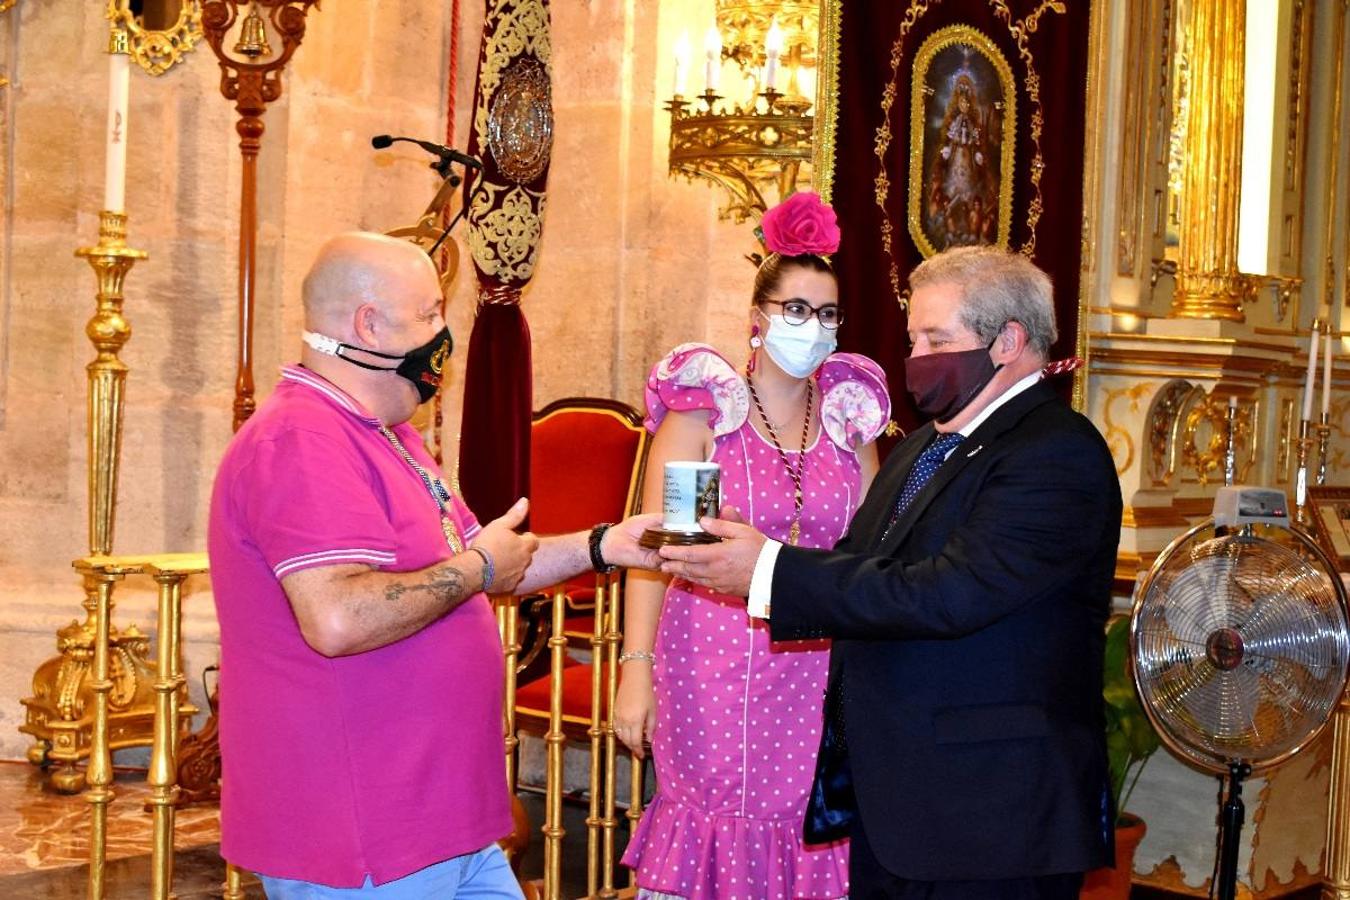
(435, 487)
(795, 531)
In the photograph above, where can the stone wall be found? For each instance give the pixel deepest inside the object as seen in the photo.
(632, 262)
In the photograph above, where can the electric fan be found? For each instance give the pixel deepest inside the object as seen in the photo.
(1240, 647)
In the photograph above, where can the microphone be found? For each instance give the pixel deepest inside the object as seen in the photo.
(447, 154)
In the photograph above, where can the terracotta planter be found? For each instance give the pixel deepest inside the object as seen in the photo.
(1114, 884)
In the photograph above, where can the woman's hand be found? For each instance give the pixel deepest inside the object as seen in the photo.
(635, 706)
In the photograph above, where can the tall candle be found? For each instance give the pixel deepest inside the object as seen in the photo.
(773, 47)
(1326, 372)
(115, 171)
(1312, 374)
(712, 51)
(681, 64)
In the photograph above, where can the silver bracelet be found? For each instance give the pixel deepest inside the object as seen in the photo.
(644, 655)
(488, 570)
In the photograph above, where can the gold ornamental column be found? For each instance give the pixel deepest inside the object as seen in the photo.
(1336, 876)
(1208, 285)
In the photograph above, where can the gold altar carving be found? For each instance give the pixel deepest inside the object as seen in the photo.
(827, 99)
(1296, 138)
(1164, 414)
(1206, 424)
(1118, 438)
(156, 50)
(1208, 285)
(961, 172)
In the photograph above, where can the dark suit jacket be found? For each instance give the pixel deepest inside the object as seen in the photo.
(967, 659)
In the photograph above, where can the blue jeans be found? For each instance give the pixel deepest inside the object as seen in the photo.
(484, 875)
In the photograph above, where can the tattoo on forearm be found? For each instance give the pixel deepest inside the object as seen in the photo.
(445, 582)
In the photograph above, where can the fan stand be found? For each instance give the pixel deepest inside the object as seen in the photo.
(1230, 830)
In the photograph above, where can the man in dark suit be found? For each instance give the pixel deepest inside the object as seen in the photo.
(964, 746)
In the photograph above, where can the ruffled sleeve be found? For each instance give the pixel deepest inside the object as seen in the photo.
(695, 376)
(855, 404)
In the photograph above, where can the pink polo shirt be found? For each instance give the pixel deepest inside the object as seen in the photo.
(380, 763)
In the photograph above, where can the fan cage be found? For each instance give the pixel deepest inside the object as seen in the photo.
(1239, 646)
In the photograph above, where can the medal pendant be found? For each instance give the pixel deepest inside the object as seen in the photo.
(451, 534)
(794, 533)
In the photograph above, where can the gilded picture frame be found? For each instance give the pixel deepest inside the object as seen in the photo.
(1329, 519)
(963, 133)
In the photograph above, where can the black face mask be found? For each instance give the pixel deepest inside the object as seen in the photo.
(943, 384)
(420, 365)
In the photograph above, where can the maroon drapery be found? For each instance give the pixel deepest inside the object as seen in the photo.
(869, 30)
(512, 134)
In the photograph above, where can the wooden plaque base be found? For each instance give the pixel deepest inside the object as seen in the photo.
(655, 538)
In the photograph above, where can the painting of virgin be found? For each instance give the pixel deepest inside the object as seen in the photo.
(962, 128)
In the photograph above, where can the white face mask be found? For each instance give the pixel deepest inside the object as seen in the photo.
(798, 349)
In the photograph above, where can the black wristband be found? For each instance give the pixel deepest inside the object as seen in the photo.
(597, 560)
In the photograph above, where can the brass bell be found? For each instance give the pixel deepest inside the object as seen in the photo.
(253, 35)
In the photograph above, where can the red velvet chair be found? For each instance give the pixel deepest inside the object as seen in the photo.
(587, 457)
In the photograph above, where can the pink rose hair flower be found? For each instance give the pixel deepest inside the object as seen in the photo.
(801, 224)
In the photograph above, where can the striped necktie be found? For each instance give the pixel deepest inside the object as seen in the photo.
(924, 468)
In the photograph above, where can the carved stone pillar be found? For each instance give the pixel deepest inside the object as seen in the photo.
(1207, 283)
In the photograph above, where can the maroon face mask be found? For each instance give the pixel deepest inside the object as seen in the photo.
(943, 383)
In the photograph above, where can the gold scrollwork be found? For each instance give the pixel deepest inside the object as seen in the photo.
(505, 238)
(1287, 429)
(827, 99)
(157, 50)
(1118, 438)
(1209, 416)
(1161, 426)
(964, 131)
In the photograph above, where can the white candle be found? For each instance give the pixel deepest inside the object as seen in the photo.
(1312, 374)
(115, 171)
(681, 64)
(712, 51)
(1326, 373)
(773, 47)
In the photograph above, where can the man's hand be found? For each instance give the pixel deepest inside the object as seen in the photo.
(726, 566)
(619, 546)
(511, 553)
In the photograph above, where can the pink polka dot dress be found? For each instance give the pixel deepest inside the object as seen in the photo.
(738, 715)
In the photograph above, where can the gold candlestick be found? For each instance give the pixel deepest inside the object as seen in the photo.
(1304, 444)
(58, 714)
(1323, 436)
(109, 331)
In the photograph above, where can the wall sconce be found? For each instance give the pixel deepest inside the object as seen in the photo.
(762, 135)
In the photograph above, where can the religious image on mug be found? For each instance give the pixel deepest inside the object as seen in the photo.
(709, 496)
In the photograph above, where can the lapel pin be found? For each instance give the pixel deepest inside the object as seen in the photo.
(973, 452)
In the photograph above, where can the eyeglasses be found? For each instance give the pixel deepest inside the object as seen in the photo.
(799, 312)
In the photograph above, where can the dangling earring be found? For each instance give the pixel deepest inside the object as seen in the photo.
(755, 343)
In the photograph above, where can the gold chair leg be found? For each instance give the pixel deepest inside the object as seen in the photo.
(554, 740)
(613, 637)
(162, 776)
(99, 772)
(634, 805)
(234, 883)
(508, 622)
(596, 733)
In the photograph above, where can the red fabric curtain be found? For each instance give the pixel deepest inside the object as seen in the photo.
(494, 450)
(870, 31)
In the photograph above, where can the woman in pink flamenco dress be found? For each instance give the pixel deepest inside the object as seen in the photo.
(733, 718)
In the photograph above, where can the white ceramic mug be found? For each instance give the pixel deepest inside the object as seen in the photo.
(691, 490)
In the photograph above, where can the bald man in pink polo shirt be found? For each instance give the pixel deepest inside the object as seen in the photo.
(361, 664)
